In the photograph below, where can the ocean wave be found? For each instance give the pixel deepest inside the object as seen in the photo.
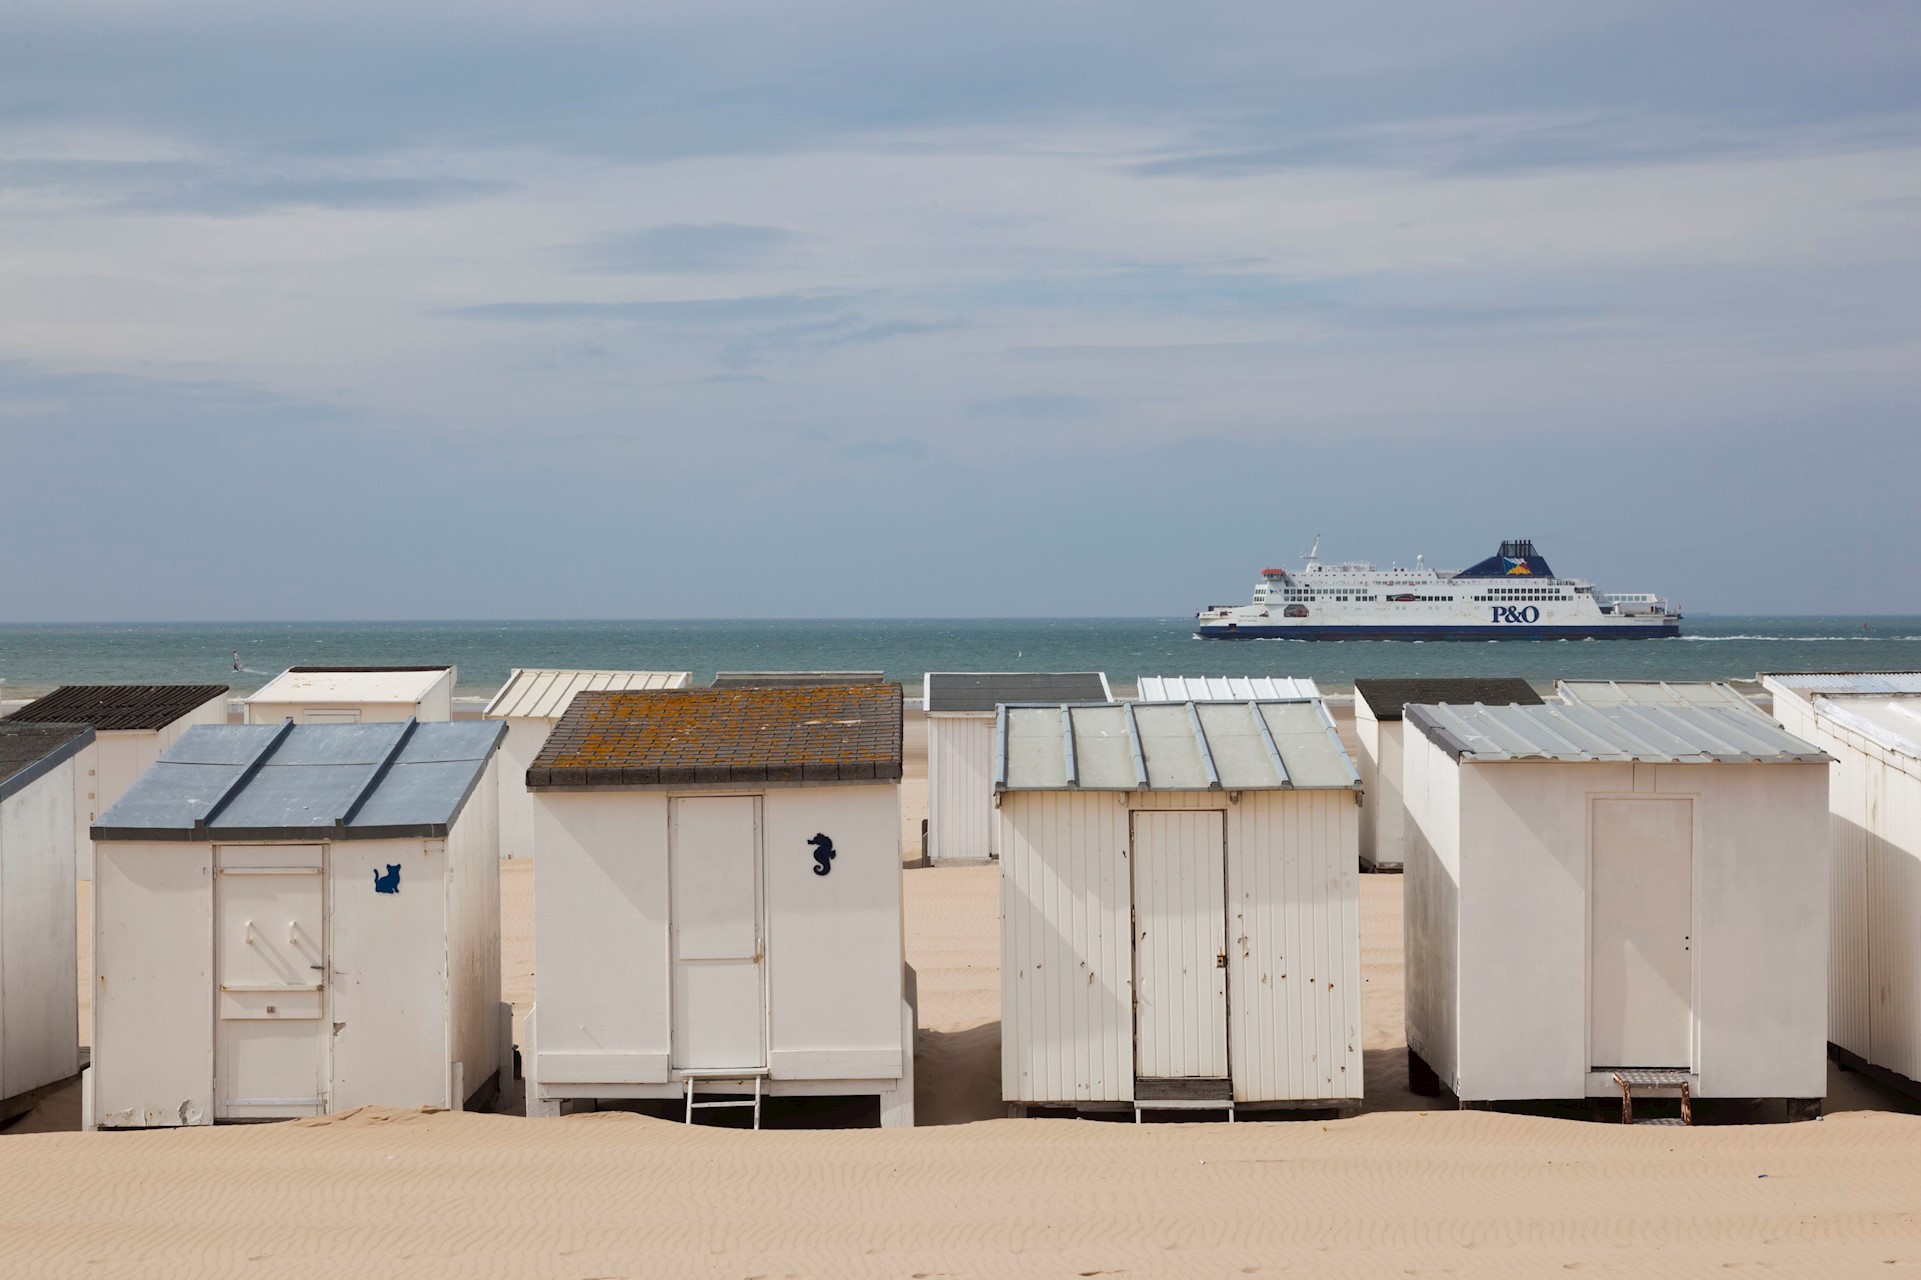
(1797, 639)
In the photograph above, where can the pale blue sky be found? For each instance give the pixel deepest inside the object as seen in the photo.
(709, 309)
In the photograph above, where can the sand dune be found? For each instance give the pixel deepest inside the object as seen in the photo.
(1402, 1189)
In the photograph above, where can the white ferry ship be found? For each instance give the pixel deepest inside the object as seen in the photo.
(1511, 595)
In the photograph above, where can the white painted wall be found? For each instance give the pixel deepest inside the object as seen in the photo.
(1518, 913)
(1383, 809)
(1431, 904)
(960, 787)
(39, 977)
(1874, 834)
(413, 982)
(833, 943)
(114, 762)
(1067, 967)
(525, 737)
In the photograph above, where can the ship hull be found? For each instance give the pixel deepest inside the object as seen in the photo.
(1439, 631)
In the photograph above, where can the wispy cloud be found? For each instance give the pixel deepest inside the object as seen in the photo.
(682, 247)
(699, 312)
(1035, 405)
(231, 189)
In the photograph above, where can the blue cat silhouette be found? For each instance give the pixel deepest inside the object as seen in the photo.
(389, 883)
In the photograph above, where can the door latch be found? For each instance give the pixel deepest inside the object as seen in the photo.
(1220, 959)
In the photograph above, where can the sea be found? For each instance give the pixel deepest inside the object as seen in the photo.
(35, 658)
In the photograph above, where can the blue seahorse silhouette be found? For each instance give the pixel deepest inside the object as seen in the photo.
(823, 854)
(389, 883)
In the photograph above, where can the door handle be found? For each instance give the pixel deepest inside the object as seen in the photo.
(1220, 959)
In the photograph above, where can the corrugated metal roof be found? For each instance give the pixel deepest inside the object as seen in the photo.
(984, 690)
(115, 707)
(680, 737)
(1894, 723)
(1842, 683)
(1171, 746)
(1386, 698)
(792, 679)
(1223, 688)
(1671, 734)
(31, 751)
(351, 684)
(310, 781)
(542, 693)
(1653, 693)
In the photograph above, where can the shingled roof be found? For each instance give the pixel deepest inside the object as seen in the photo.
(1387, 698)
(680, 737)
(110, 707)
(28, 751)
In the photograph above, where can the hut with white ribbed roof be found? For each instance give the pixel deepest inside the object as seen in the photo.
(531, 704)
(1870, 722)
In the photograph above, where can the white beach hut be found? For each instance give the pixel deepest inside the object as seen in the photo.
(1377, 731)
(717, 905)
(1870, 722)
(133, 724)
(960, 708)
(1179, 907)
(1610, 898)
(355, 695)
(39, 972)
(530, 704)
(297, 919)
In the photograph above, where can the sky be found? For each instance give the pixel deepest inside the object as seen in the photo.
(859, 309)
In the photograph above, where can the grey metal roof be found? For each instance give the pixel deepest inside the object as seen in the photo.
(30, 751)
(310, 781)
(1672, 734)
(1222, 688)
(984, 690)
(1654, 693)
(1171, 746)
(1894, 723)
(1386, 698)
(1842, 683)
(542, 693)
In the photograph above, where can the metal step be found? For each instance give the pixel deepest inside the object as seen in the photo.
(690, 1078)
(1654, 1082)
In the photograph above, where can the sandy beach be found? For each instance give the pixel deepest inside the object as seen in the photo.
(1404, 1188)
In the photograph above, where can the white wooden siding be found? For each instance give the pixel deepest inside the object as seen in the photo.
(1874, 830)
(960, 787)
(39, 1013)
(1294, 984)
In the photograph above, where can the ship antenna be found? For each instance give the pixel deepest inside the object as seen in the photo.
(1314, 552)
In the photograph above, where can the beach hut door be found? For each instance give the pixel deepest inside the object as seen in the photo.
(1180, 945)
(1641, 962)
(270, 1046)
(719, 1009)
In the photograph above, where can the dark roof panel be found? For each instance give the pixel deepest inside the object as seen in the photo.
(985, 690)
(109, 707)
(793, 679)
(30, 751)
(678, 737)
(1387, 698)
(291, 782)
